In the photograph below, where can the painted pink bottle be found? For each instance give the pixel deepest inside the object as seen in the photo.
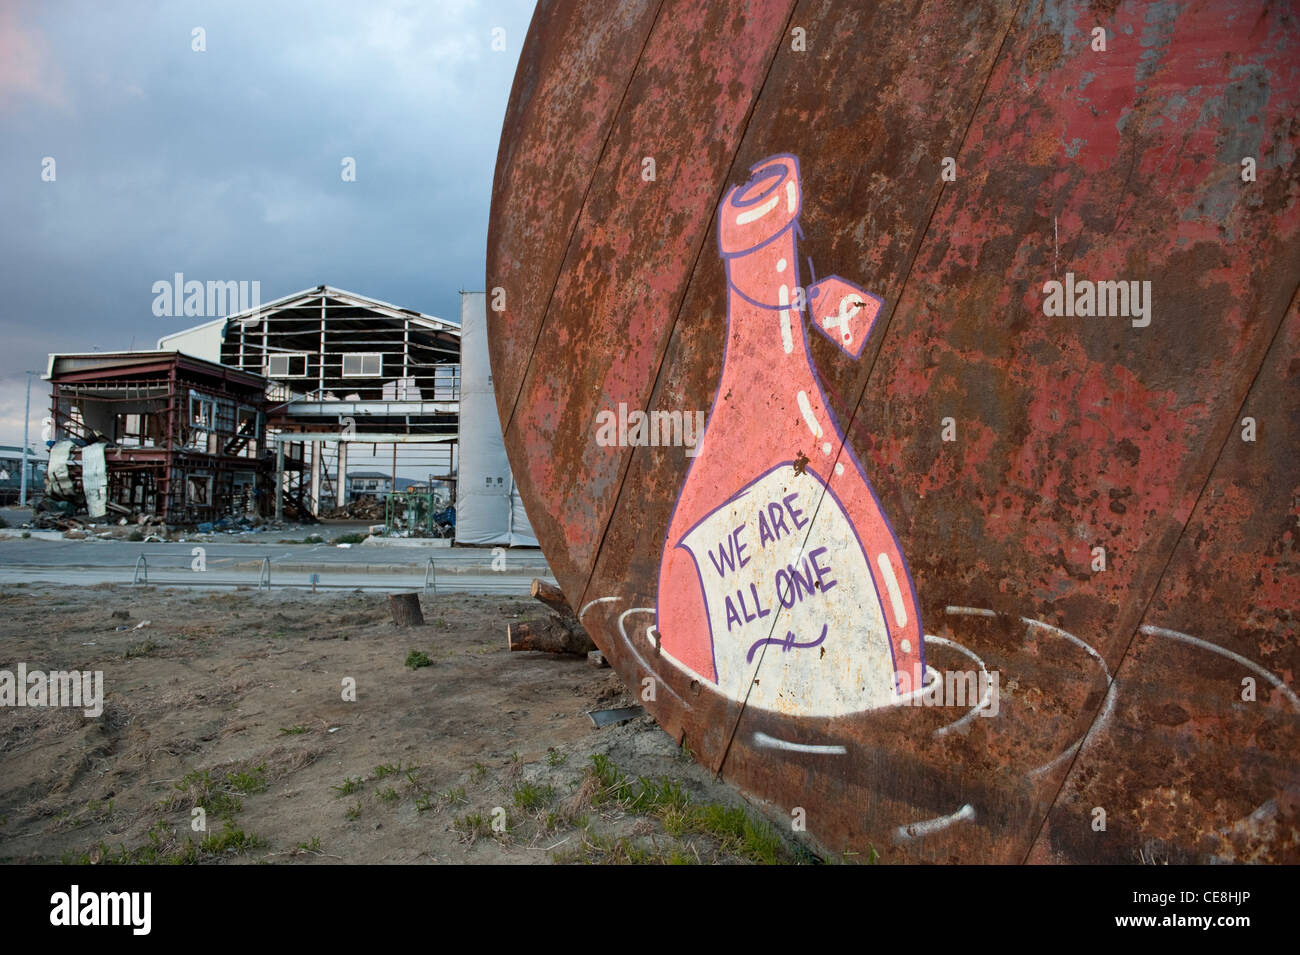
(778, 552)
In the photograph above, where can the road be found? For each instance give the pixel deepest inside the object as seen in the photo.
(222, 564)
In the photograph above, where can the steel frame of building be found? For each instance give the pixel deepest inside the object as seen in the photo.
(198, 449)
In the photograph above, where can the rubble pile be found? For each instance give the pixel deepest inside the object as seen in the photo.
(362, 509)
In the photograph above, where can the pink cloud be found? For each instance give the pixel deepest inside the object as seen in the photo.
(26, 67)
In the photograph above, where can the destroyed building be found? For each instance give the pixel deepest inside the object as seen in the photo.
(155, 433)
(345, 372)
(258, 412)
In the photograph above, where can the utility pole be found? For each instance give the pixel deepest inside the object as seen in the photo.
(27, 414)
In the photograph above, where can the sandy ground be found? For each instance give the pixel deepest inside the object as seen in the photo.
(233, 703)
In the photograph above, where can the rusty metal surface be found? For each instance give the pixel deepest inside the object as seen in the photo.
(1118, 689)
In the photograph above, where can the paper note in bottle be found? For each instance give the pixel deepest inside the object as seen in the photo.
(778, 552)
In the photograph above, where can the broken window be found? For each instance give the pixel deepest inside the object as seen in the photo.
(202, 412)
(198, 490)
(293, 365)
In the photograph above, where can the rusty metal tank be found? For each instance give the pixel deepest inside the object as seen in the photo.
(907, 397)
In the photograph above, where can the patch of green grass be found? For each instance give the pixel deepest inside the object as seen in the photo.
(472, 827)
(313, 539)
(353, 538)
(554, 757)
(295, 730)
(735, 830)
(418, 658)
(477, 774)
(647, 796)
(353, 812)
(532, 796)
(349, 786)
(388, 795)
(424, 802)
(164, 848)
(140, 650)
(26, 536)
(253, 781)
(313, 846)
(230, 840)
(413, 775)
(607, 850)
(199, 790)
(452, 797)
(386, 769)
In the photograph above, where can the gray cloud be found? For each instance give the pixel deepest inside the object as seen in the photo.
(225, 164)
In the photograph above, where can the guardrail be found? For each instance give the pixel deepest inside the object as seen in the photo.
(141, 575)
(200, 579)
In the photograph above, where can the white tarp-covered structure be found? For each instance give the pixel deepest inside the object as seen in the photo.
(488, 507)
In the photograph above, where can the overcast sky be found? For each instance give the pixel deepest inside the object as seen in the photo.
(226, 163)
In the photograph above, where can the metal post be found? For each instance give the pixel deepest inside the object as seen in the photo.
(279, 478)
(317, 452)
(27, 414)
(341, 493)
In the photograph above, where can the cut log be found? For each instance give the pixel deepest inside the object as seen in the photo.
(549, 635)
(405, 609)
(553, 597)
(558, 632)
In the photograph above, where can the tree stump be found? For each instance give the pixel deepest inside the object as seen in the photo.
(405, 609)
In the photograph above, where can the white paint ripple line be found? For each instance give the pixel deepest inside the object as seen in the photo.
(771, 742)
(1235, 657)
(787, 335)
(970, 611)
(1111, 684)
(985, 698)
(810, 419)
(631, 610)
(631, 646)
(924, 828)
(891, 584)
(1073, 639)
(752, 215)
(592, 603)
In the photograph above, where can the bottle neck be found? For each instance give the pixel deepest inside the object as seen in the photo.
(763, 305)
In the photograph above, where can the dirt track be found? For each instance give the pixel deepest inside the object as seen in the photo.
(248, 688)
